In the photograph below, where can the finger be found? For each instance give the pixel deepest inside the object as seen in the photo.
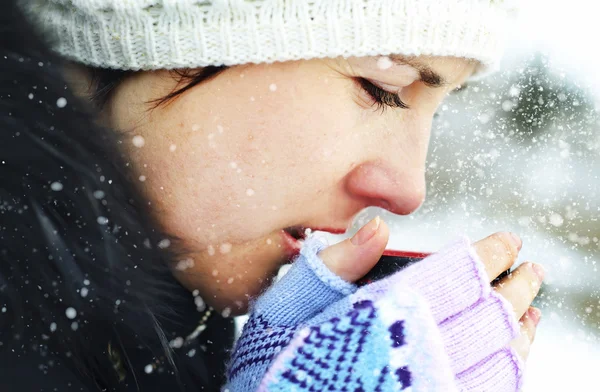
(529, 322)
(521, 286)
(498, 252)
(352, 258)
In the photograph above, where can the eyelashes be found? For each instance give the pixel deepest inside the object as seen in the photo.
(382, 98)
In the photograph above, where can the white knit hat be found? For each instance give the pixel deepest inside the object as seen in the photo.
(167, 34)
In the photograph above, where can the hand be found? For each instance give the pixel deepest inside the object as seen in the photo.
(352, 258)
(498, 253)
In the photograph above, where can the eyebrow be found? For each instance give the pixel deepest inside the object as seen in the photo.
(426, 73)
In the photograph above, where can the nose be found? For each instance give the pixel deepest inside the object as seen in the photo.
(398, 191)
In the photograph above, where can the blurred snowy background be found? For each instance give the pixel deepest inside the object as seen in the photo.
(520, 151)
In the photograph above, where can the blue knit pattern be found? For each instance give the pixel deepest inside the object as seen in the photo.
(343, 355)
(276, 315)
(256, 348)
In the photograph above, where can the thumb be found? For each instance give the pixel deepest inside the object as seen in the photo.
(352, 258)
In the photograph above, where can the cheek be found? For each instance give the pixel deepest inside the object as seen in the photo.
(280, 143)
(239, 164)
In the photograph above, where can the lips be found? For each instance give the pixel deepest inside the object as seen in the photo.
(294, 237)
(297, 232)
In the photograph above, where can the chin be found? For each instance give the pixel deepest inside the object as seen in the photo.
(229, 282)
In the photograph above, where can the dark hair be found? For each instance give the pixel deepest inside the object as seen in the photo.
(105, 81)
(80, 270)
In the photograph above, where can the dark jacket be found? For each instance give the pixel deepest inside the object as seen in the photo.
(87, 299)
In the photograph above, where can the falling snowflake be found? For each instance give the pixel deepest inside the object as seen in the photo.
(138, 141)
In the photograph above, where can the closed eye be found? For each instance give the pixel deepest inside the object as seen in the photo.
(381, 97)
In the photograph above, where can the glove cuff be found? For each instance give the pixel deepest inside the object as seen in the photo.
(305, 290)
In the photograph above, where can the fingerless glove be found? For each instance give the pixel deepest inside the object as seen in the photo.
(434, 326)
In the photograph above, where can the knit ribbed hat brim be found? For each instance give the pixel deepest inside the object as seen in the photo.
(169, 34)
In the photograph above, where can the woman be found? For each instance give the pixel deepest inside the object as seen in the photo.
(236, 154)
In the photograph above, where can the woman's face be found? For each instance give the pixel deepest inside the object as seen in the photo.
(231, 163)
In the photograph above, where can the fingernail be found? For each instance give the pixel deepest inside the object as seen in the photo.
(517, 240)
(539, 271)
(535, 315)
(366, 232)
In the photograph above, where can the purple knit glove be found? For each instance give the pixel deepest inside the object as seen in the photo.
(475, 322)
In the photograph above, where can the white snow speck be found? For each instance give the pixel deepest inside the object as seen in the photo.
(56, 186)
(211, 250)
(508, 105)
(556, 220)
(74, 325)
(226, 312)
(52, 327)
(30, 96)
(102, 220)
(233, 165)
(273, 87)
(99, 195)
(225, 248)
(249, 192)
(177, 342)
(172, 147)
(484, 118)
(71, 313)
(384, 63)
(142, 178)
(84, 292)
(61, 102)
(269, 241)
(164, 244)
(86, 282)
(138, 141)
(199, 302)
(184, 264)
(148, 368)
